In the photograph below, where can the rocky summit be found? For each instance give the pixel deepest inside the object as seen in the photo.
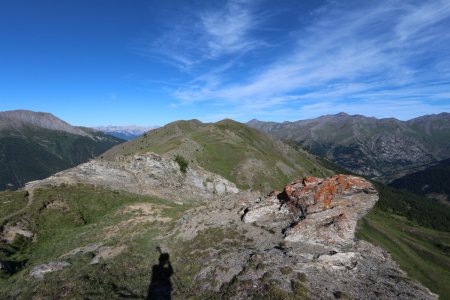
(294, 244)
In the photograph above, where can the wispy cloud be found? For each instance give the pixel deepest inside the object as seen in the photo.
(420, 18)
(227, 30)
(385, 51)
(205, 34)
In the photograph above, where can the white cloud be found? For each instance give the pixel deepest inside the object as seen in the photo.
(228, 29)
(362, 52)
(205, 35)
(417, 18)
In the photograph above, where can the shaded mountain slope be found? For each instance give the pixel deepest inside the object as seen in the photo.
(243, 155)
(36, 145)
(380, 148)
(433, 182)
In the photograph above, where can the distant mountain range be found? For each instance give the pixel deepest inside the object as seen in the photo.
(125, 132)
(384, 149)
(34, 145)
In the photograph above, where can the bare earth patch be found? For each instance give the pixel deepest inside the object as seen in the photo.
(141, 213)
(107, 253)
(144, 209)
(10, 232)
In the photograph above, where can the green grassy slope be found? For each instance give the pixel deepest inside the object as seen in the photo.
(35, 153)
(12, 201)
(66, 218)
(246, 156)
(422, 252)
(416, 232)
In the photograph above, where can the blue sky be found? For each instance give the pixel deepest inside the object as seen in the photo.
(101, 62)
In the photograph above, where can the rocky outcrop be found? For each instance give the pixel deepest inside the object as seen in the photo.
(38, 272)
(297, 244)
(147, 174)
(316, 210)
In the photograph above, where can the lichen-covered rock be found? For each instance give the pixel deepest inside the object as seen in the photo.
(267, 248)
(316, 210)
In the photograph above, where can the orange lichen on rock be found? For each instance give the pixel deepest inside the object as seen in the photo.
(316, 210)
(317, 191)
(288, 190)
(325, 193)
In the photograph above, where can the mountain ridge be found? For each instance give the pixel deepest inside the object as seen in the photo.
(391, 148)
(15, 119)
(36, 145)
(243, 155)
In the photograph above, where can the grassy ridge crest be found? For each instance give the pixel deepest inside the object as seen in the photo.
(241, 154)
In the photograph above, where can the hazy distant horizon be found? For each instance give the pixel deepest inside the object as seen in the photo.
(147, 63)
(115, 127)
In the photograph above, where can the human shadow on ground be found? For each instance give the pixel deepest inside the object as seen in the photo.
(160, 287)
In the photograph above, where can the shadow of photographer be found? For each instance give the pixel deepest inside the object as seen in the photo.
(160, 287)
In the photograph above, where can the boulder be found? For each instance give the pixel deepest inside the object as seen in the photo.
(317, 210)
(39, 271)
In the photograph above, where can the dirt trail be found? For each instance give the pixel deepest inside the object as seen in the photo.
(30, 191)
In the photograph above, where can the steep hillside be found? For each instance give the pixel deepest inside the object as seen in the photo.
(36, 145)
(421, 251)
(384, 149)
(17, 119)
(243, 155)
(433, 182)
